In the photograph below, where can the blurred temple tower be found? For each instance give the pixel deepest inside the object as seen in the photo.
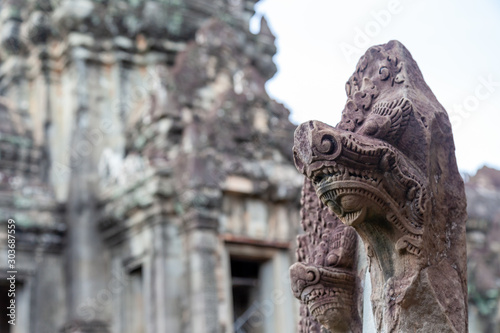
(147, 169)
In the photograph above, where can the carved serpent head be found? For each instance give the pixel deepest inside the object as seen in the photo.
(388, 170)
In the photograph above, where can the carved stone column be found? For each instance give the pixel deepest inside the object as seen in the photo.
(388, 170)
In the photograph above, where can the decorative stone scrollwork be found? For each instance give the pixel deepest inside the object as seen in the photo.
(388, 170)
(323, 279)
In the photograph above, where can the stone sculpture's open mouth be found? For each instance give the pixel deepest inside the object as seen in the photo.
(327, 292)
(360, 178)
(330, 303)
(348, 192)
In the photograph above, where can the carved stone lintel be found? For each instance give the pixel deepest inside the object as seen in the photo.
(388, 170)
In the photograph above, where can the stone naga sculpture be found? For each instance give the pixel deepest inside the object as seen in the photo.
(324, 278)
(388, 169)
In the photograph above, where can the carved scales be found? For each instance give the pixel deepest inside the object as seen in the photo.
(388, 170)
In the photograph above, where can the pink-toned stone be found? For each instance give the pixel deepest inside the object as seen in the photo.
(324, 278)
(388, 170)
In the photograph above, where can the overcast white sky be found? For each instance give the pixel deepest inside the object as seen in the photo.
(456, 44)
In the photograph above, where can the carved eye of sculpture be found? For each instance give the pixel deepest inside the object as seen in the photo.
(376, 126)
(384, 73)
(332, 260)
(370, 128)
(325, 145)
(310, 276)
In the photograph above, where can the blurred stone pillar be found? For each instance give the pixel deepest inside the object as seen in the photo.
(88, 296)
(201, 234)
